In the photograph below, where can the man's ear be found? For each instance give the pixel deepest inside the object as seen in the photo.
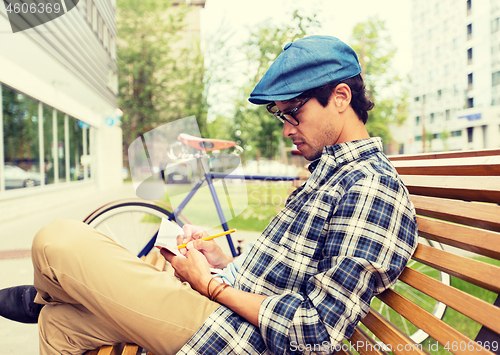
(341, 97)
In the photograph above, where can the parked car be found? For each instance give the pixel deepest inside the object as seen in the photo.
(179, 173)
(15, 177)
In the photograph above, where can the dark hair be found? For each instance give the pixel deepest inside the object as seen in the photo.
(360, 101)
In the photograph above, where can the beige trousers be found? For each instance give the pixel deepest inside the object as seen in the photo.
(98, 293)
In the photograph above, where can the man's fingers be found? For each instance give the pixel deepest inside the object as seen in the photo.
(167, 255)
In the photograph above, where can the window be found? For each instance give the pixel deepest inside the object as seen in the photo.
(21, 147)
(470, 81)
(470, 134)
(432, 117)
(470, 102)
(469, 31)
(417, 120)
(495, 78)
(417, 98)
(456, 134)
(418, 138)
(469, 56)
(48, 144)
(495, 25)
(447, 115)
(439, 94)
(37, 151)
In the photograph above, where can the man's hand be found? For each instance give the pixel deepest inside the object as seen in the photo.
(210, 249)
(193, 269)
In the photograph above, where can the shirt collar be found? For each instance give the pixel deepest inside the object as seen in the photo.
(344, 153)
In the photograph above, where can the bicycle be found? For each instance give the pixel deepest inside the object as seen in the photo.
(134, 223)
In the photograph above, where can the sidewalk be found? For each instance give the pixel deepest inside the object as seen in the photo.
(15, 262)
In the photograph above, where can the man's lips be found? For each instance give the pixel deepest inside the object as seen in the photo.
(298, 144)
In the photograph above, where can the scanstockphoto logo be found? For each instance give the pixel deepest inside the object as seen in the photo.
(25, 14)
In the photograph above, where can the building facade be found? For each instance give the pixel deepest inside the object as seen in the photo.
(455, 95)
(59, 126)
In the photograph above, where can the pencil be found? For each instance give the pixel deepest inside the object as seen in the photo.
(210, 238)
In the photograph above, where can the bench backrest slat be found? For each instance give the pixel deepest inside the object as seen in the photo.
(451, 170)
(476, 272)
(433, 326)
(447, 155)
(471, 239)
(364, 344)
(390, 335)
(473, 307)
(472, 188)
(481, 215)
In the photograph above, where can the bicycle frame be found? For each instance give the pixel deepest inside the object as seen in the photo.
(209, 177)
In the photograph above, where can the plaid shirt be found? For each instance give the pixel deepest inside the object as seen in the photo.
(343, 237)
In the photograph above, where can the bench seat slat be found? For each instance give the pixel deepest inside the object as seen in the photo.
(479, 241)
(390, 335)
(470, 188)
(478, 215)
(131, 349)
(433, 326)
(474, 308)
(476, 272)
(370, 346)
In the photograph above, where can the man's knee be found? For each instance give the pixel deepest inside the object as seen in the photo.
(60, 235)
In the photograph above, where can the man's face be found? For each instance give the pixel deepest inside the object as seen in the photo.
(318, 127)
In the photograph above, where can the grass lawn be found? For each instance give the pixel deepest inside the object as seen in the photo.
(246, 205)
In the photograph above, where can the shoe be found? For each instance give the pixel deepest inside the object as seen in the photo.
(18, 304)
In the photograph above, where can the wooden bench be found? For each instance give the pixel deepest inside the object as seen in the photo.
(456, 196)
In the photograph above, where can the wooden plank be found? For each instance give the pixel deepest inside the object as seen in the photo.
(476, 272)
(470, 188)
(451, 170)
(479, 241)
(369, 345)
(474, 308)
(390, 335)
(131, 349)
(480, 215)
(447, 155)
(110, 350)
(433, 326)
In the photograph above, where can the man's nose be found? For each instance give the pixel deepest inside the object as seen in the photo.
(288, 129)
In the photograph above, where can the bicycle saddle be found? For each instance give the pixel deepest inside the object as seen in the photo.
(205, 144)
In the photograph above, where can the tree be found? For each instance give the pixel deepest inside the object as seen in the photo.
(252, 126)
(160, 79)
(372, 43)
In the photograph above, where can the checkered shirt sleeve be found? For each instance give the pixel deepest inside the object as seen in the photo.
(342, 238)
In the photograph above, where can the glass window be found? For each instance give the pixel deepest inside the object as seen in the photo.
(21, 149)
(61, 150)
(48, 144)
(75, 149)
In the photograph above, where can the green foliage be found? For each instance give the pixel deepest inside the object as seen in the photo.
(372, 43)
(160, 77)
(252, 126)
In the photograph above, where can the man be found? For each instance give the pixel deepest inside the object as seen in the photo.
(343, 237)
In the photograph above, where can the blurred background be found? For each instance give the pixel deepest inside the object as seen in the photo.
(78, 90)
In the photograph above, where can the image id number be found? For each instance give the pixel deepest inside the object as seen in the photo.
(471, 345)
(41, 8)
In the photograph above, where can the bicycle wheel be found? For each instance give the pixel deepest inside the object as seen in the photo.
(434, 307)
(132, 223)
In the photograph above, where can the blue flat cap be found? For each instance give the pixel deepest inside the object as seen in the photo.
(306, 64)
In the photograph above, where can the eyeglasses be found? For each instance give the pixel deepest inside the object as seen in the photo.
(288, 116)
